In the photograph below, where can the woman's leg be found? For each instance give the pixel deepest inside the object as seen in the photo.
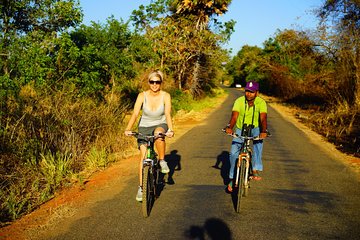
(160, 147)
(142, 155)
(160, 143)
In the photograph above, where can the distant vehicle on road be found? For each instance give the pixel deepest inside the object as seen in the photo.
(238, 85)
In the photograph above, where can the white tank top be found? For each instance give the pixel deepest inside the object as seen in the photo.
(152, 118)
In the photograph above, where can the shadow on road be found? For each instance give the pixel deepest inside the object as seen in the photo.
(299, 200)
(223, 163)
(174, 162)
(214, 229)
(223, 160)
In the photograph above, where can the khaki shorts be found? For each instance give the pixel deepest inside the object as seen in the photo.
(149, 131)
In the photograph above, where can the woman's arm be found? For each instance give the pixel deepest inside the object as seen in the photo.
(167, 100)
(136, 111)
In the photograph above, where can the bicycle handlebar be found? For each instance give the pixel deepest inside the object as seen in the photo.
(137, 134)
(234, 135)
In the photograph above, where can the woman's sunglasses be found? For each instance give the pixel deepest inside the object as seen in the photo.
(154, 82)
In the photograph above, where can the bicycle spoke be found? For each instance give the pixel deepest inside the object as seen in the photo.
(146, 192)
(241, 185)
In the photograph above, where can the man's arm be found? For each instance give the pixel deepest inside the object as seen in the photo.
(232, 122)
(263, 125)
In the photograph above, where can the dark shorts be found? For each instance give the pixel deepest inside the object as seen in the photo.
(149, 131)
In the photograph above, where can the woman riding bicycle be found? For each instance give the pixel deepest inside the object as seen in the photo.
(249, 110)
(156, 118)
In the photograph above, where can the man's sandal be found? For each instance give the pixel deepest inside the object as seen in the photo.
(256, 177)
(230, 187)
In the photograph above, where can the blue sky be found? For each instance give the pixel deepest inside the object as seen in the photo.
(257, 20)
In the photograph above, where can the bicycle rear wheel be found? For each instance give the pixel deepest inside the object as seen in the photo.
(241, 184)
(148, 191)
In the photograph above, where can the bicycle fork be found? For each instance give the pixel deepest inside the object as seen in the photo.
(148, 162)
(243, 157)
(152, 163)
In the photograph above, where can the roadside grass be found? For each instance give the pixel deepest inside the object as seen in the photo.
(208, 101)
(331, 109)
(52, 140)
(97, 159)
(184, 102)
(340, 125)
(338, 122)
(71, 139)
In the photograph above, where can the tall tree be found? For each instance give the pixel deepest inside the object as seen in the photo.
(201, 12)
(345, 16)
(204, 10)
(22, 16)
(182, 35)
(245, 65)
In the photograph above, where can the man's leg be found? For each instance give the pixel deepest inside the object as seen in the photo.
(233, 156)
(257, 156)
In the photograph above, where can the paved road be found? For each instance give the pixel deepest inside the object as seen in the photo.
(304, 194)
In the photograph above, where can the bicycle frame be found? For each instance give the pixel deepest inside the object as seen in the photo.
(150, 155)
(150, 175)
(245, 155)
(243, 168)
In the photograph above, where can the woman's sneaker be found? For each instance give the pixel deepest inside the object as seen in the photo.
(139, 194)
(164, 167)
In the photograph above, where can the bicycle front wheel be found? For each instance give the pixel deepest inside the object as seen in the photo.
(241, 184)
(148, 191)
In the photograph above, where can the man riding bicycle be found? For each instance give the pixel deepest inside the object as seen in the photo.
(249, 113)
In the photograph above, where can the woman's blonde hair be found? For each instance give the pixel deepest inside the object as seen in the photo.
(156, 73)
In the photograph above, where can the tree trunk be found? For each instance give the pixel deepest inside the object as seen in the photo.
(357, 79)
(195, 78)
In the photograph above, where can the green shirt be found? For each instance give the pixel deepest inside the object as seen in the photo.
(244, 111)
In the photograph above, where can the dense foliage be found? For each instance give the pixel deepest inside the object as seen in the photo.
(187, 37)
(318, 71)
(65, 88)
